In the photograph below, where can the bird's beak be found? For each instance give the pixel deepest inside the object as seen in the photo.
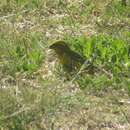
(51, 47)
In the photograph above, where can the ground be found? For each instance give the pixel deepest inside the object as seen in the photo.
(42, 99)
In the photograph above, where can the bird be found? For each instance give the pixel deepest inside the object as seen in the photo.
(70, 60)
(73, 61)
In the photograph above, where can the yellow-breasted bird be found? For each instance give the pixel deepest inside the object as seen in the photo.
(70, 59)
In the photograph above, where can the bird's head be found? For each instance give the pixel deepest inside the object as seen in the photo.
(60, 46)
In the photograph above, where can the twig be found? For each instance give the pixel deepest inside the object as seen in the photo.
(11, 15)
(16, 113)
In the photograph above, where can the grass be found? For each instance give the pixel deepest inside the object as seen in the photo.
(33, 92)
(21, 54)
